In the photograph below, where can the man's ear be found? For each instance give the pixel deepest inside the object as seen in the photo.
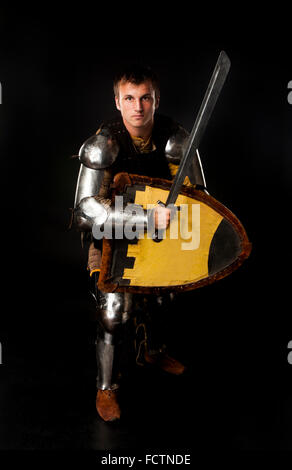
(117, 103)
(157, 102)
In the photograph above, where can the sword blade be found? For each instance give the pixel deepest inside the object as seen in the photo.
(214, 88)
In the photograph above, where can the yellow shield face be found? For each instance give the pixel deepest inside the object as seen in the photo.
(204, 242)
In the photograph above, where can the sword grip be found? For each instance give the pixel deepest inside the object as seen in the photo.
(158, 233)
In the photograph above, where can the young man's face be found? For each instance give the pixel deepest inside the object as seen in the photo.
(137, 104)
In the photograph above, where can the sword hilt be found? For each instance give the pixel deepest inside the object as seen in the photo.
(160, 203)
(158, 233)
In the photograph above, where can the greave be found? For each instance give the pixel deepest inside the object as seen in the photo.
(114, 312)
(105, 358)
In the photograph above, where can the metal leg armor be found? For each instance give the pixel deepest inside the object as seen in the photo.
(114, 311)
(158, 316)
(151, 324)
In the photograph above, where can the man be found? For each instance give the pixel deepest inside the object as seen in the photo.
(139, 141)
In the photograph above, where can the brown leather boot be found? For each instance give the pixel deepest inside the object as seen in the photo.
(165, 362)
(107, 405)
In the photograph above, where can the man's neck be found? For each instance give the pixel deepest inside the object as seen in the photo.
(142, 132)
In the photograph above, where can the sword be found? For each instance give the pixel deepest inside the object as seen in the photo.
(213, 91)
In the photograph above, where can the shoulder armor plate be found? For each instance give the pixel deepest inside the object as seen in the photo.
(99, 151)
(175, 145)
(174, 150)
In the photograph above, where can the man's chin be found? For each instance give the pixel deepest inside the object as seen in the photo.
(138, 123)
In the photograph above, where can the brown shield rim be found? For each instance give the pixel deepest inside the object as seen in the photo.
(121, 181)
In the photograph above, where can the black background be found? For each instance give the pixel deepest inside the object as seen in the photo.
(56, 75)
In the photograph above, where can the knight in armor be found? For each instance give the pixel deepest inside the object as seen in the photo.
(139, 141)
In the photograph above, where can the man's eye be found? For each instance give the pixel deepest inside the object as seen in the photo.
(146, 98)
(128, 98)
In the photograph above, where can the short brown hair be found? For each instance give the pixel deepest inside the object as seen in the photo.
(137, 74)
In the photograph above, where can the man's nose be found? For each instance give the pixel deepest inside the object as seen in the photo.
(138, 105)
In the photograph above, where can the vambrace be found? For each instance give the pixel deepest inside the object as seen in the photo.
(97, 214)
(93, 210)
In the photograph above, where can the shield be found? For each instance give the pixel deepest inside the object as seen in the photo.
(204, 243)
